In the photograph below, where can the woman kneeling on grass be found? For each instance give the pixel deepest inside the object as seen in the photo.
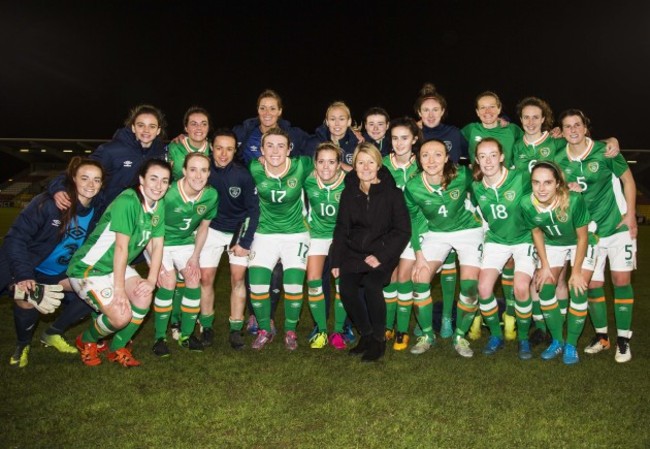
(37, 250)
(99, 270)
(372, 229)
(559, 222)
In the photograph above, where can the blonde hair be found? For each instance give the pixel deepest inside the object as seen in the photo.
(338, 105)
(370, 150)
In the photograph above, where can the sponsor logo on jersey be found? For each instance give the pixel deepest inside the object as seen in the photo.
(454, 194)
(477, 138)
(482, 198)
(510, 195)
(178, 210)
(593, 166)
(56, 223)
(201, 209)
(106, 293)
(155, 220)
(428, 202)
(292, 182)
(546, 151)
(538, 219)
(253, 148)
(128, 164)
(234, 191)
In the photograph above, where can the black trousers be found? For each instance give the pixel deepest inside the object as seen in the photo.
(367, 311)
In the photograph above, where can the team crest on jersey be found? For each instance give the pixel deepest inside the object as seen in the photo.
(292, 182)
(510, 195)
(454, 194)
(448, 145)
(562, 216)
(593, 166)
(546, 151)
(234, 191)
(155, 220)
(106, 293)
(337, 196)
(201, 209)
(348, 159)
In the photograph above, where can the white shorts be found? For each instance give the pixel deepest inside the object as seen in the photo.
(558, 255)
(176, 257)
(467, 243)
(495, 256)
(620, 249)
(409, 252)
(216, 243)
(319, 247)
(291, 249)
(97, 291)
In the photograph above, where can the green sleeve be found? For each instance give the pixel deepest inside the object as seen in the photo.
(580, 213)
(124, 214)
(618, 165)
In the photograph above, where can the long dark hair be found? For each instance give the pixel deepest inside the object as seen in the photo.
(449, 171)
(143, 171)
(69, 216)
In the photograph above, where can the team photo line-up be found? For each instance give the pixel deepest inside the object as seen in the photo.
(376, 211)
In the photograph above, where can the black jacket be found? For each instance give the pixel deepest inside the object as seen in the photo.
(375, 224)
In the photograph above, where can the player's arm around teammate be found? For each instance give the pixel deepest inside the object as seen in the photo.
(588, 170)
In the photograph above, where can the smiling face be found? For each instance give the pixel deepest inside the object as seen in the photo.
(223, 150)
(376, 126)
(87, 181)
(488, 110)
(489, 158)
(196, 173)
(403, 141)
(544, 185)
(574, 129)
(269, 112)
(275, 151)
(366, 167)
(197, 128)
(155, 182)
(431, 112)
(327, 165)
(433, 157)
(338, 122)
(146, 128)
(532, 119)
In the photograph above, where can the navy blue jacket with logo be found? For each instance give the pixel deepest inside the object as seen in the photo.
(322, 134)
(237, 201)
(249, 152)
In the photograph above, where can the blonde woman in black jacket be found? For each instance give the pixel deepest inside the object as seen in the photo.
(372, 230)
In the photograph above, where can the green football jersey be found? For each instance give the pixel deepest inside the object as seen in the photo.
(402, 176)
(125, 215)
(592, 171)
(499, 206)
(559, 227)
(323, 204)
(507, 136)
(444, 210)
(281, 204)
(183, 215)
(176, 153)
(525, 153)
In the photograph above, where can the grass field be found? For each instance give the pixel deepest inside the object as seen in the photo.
(325, 399)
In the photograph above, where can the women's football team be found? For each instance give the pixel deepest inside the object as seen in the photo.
(543, 208)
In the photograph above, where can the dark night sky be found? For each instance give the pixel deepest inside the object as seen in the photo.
(74, 70)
